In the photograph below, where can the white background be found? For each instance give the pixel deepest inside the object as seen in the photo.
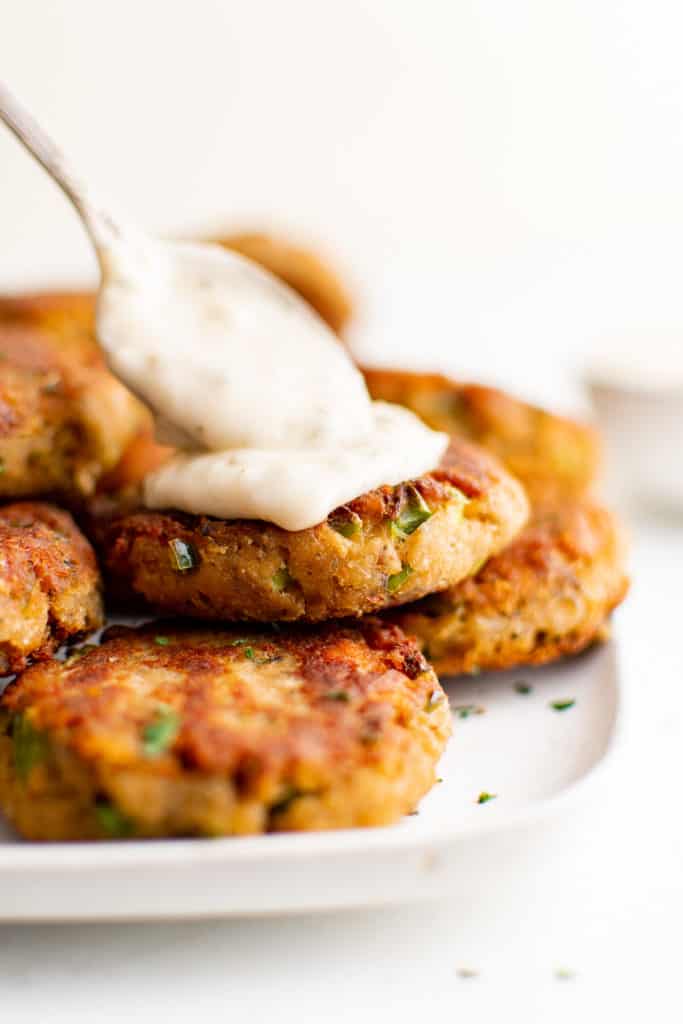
(502, 184)
(500, 181)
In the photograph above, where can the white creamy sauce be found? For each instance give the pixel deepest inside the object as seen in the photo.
(275, 420)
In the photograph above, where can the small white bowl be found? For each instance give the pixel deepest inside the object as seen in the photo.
(640, 414)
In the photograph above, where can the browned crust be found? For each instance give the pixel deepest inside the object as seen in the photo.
(476, 509)
(64, 419)
(49, 583)
(553, 456)
(263, 719)
(548, 594)
(300, 268)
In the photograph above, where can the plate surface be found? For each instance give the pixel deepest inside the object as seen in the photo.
(515, 745)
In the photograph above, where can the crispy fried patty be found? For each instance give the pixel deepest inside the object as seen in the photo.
(391, 545)
(177, 731)
(64, 418)
(49, 583)
(554, 457)
(301, 269)
(548, 594)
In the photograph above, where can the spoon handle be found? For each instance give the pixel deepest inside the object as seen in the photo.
(101, 227)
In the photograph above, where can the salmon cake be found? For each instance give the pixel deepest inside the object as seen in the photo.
(174, 730)
(387, 547)
(49, 583)
(555, 458)
(301, 269)
(65, 420)
(548, 594)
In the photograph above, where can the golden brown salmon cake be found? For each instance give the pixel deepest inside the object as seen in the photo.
(554, 457)
(173, 730)
(548, 594)
(64, 418)
(301, 269)
(387, 547)
(49, 583)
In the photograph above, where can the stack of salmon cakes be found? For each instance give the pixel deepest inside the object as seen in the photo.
(283, 680)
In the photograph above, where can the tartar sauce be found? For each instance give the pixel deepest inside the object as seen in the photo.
(273, 419)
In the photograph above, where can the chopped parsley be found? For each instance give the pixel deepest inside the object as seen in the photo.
(523, 688)
(182, 555)
(2, 466)
(395, 582)
(112, 821)
(30, 746)
(413, 513)
(343, 696)
(80, 652)
(562, 705)
(282, 579)
(346, 523)
(162, 641)
(159, 734)
(467, 710)
(250, 653)
(484, 797)
(289, 795)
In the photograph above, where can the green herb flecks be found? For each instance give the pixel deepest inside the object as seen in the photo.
(289, 794)
(112, 821)
(159, 734)
(395, 582)
(413, 513)
(347, 523)
(2, 466)
(562, 705)
(523, 688)
(467, 710)
(251, 654)
(484, 797)
(183, 556)
(342, 696)
(80, 652)
(162, 641)
(30, 746)
(282, 579)
(433, 701)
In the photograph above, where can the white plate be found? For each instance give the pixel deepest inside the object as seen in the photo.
(532, 756)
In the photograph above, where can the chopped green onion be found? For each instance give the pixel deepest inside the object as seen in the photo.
(159, 734)
(183, 556)
(30, 746)
(414, 512)
(345, 523)
(111, 820)
(81, 651)
(2, 466)
(562, 705)
(395, 582)
(484, 798)
(289, 795)
(282, 579)
(523, 688)
(343, 696)
(466, 710)
(162, 641)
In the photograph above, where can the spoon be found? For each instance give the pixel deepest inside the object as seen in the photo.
(191, 328)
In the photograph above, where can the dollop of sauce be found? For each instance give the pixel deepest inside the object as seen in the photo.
(274, 420)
